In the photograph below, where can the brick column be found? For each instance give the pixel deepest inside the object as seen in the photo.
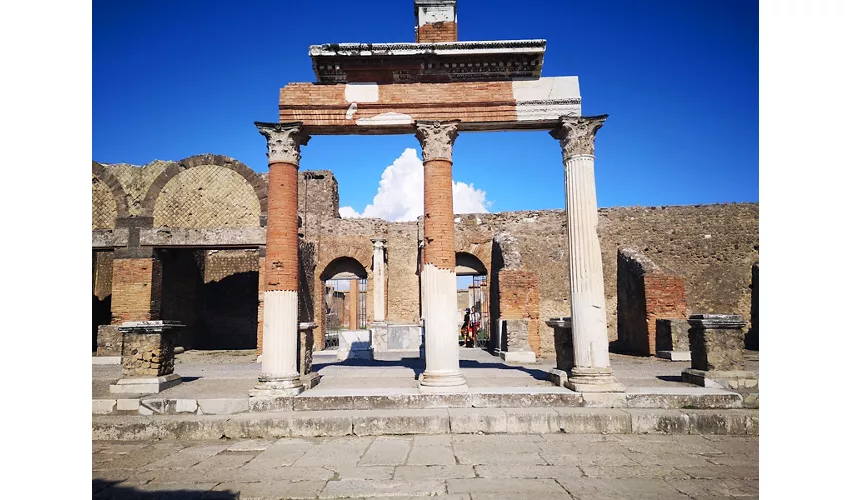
(439, 288)
(279, 375)
(136, 277)
(592, 371)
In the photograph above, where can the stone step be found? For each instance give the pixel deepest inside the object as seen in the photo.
(402, 399)
(426, 421)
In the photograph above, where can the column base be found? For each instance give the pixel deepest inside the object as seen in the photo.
(442, 383)
(277, 387)
(145, 385)
(593, 380)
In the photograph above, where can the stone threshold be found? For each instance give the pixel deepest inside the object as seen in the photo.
(427, 421)
(403, 399)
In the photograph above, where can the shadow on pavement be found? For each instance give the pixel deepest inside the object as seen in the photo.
(112, 490)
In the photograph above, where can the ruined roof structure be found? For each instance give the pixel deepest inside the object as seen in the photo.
(492, 85)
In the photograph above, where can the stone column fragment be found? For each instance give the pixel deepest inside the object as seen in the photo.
(439, 285)
(717, 353)
(280, 376)
(592, 371)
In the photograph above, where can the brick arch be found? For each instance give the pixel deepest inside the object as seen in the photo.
(256, 181)
(481, 251)
(114, 186)
(362, 255)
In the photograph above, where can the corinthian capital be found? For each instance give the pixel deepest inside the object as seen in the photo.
(284, 141)
(577, 135)
(436, 139)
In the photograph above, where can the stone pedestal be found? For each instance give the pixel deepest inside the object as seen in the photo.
(564, 356)
(109, 345)
(147, 357)
(518, 351)
(592, 371)
(717, 353)
(394, 342)
(305, 355)
(672, 340)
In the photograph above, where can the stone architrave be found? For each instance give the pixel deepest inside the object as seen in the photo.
(592, 371)
(439, 288)
(147, 364)
(280, 376)
(717, 353)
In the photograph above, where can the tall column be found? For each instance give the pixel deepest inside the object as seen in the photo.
(378, 276)
(353, 300)
(439, 288)
(279, 375)
(592, 371)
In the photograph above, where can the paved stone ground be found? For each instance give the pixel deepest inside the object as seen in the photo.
(216, 374)
(471, 467)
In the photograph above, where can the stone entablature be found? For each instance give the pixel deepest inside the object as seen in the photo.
(428, 62)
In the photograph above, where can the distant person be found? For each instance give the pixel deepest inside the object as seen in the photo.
(464, 330)
(474, 324)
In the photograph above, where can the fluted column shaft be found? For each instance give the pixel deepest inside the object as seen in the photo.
(378, 275)
(592, 371)
(280, 374)
(439, 285)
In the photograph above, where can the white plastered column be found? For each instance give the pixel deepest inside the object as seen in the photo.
(592, 371)
(379, 278)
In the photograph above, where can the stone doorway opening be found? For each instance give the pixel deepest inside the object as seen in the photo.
(473, 301)
(344, 286)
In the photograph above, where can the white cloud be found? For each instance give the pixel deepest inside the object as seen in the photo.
(400, 193)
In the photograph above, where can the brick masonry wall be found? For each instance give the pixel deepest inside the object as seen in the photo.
(444, 31)
(136, 290)
(318, 199)
(326, 106)
(645, 293)
(519, 298)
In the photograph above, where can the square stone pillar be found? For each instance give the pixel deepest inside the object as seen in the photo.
(305, 355)
(717, 352)
(672, 341)
(564, 356)
(147, 357)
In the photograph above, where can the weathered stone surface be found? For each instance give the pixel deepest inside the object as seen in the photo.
(473, 420)
(102, 406)
(657, 399)
(416, 472)
(400, 422)
(604, 421)
(717, 342)
(739, 422)
(431, 455)
(387, 451)
(504, 486)
(109, 340)
(371, 488)
(672, 335)
(659, 421)
(222, 406)
(532, 420)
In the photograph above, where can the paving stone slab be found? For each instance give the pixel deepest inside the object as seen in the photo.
(504, 486)
(335, 452)
(653, 421)
(371, 472)
(532, 420)
(370, 488)
(250, 445)
(177, 491)
(387, 451)
(722, 471)
(598, 420)
(527, 471)
(431, 455)
(490, 458)
(268, 490)
(187, 457)
(415, 472)
(582, 488)
(633, 471)
(716, 487)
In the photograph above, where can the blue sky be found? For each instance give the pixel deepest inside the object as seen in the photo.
(679, 79)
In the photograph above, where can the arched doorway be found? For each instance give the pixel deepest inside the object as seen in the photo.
(473, 296)
(343, 299)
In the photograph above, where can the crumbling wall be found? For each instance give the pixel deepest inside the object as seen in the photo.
(318, 199)
(645, 293)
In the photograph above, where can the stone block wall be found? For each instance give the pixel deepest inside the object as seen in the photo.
(645, 293)
(147, 355)
(318, 199)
